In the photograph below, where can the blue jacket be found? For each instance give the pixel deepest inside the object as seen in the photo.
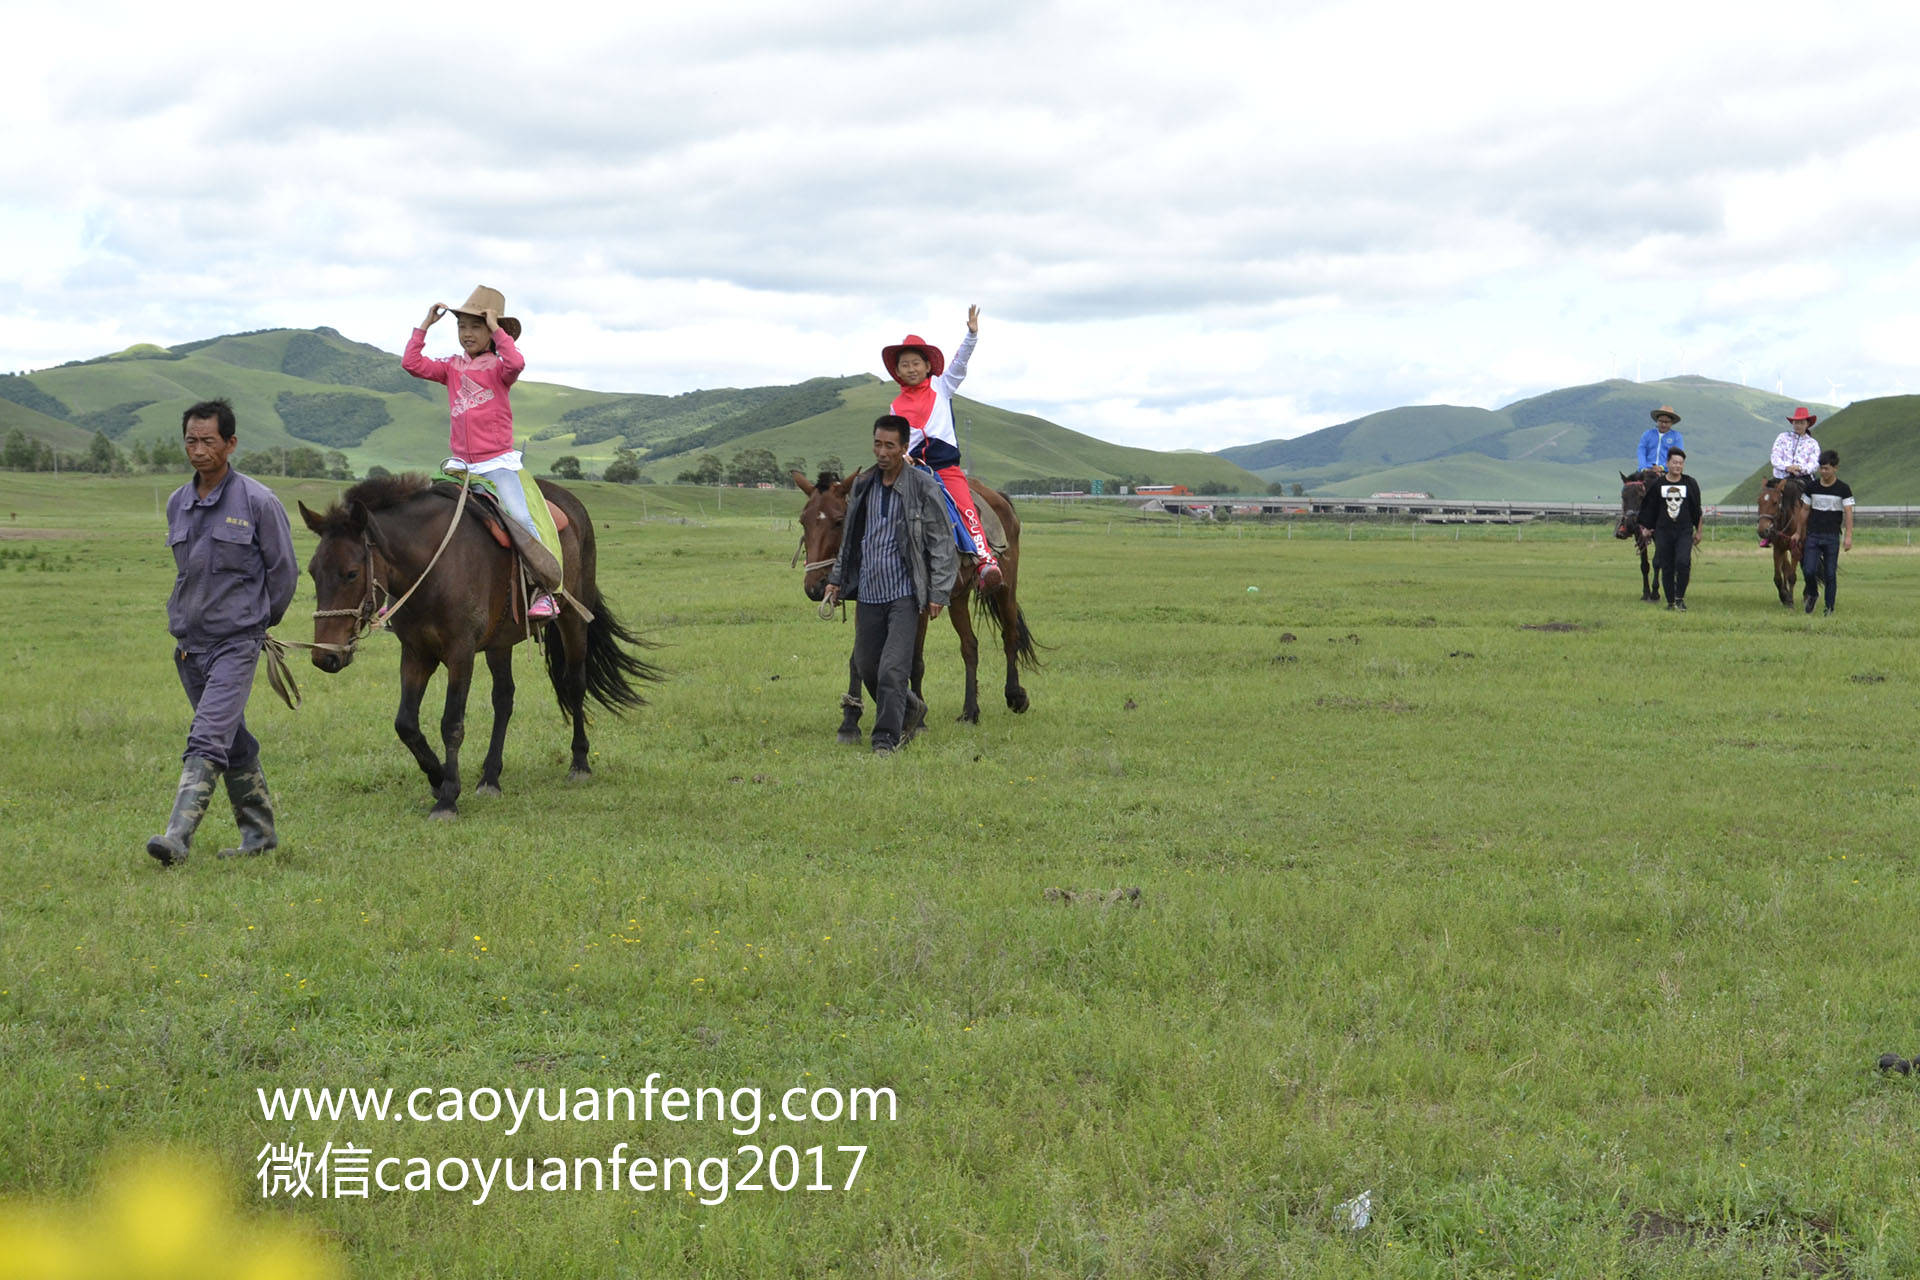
(233, 557)
(1654, 444)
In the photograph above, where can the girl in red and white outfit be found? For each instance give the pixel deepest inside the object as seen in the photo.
(927, 386)
(481, 436)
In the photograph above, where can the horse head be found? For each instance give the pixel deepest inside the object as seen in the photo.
(346, 573)
(1771, 495)
(823, 521)
(1633, 491)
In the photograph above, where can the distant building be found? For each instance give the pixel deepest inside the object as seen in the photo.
(1399, 494)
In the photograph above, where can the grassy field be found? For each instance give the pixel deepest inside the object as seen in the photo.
(1573, 946)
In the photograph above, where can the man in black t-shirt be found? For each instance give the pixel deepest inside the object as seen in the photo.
(1671, 514)
(1829, 528)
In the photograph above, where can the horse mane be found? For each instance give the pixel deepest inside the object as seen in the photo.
(828, 476)
(375, 493)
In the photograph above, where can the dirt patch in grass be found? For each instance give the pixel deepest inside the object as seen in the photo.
(1821, 1258)
(1553, 626)
(10, 534)
(1365, 704)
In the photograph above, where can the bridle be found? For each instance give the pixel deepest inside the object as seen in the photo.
(369, 615)
(826, 609)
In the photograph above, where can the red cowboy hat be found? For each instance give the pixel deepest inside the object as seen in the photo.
(1801, 415)
(890, 356)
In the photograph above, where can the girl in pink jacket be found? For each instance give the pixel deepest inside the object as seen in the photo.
(481, 433)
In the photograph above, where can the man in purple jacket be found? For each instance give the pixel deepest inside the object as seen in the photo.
(233, 553)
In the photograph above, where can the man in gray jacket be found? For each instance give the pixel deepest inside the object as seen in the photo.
(233, 553)
(897, 561)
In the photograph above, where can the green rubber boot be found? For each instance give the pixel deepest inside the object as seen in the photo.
(252, 809)
(197, 776)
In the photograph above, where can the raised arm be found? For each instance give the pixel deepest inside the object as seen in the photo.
(416, 361)
(512, 363)
(957, 367)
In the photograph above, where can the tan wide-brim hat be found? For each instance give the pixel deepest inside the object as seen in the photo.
(484, 299)
(1664, 411)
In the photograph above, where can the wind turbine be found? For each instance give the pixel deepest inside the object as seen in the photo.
(1833, 392)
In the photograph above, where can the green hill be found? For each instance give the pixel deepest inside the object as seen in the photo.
(1568, 444)
(1001, 447)
(316, 387)
(1875, 440)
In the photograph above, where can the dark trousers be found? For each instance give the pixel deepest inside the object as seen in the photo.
(1673, 544)
(1820, 559)
(883, 636)
(217, 681)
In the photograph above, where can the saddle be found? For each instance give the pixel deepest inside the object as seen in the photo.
(990, 524)
(540, 566)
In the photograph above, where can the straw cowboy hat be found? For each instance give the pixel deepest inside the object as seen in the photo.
(1801, 415)
(484, 299)
(1664, 411)
(890, 356)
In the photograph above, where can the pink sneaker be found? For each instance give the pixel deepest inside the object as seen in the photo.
(989, 574)
(543, 609)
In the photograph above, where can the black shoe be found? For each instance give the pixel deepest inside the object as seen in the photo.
(884, 747)
(197, 776)
(1671, 606)
(1828, 614)
(1810, 603)
(1681, 605)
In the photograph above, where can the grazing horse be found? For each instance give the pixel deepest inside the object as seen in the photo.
(1633, 492)
(1783, 526)
(823, 523)
(382, 537)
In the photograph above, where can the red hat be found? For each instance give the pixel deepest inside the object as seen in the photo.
(1801, 415)
(890, 356)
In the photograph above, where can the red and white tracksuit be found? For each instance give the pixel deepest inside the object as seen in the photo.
(928, 409)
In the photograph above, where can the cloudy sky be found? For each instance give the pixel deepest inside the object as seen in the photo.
(1188, 225)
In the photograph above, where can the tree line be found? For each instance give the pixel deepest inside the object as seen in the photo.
(18, 452)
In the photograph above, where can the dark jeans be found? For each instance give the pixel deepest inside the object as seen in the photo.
(1820, 559)
(217, 682)
(883, 637)
(1674, 547)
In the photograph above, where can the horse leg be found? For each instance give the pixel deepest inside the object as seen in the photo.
(969, 654)
(453, 732)
(500, 667)
(850, 707)
(1783, 571)
(573, 693)
(415, 671)
(1009, 611)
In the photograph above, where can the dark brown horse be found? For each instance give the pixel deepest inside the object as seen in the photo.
(823, 522)
(1633, 493)
(1783, 526)
(375, 545)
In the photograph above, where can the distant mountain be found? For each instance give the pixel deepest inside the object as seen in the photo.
(317, 387)
(1876, 441)
(1569, 444)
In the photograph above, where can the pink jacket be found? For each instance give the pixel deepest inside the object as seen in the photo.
(482, 426)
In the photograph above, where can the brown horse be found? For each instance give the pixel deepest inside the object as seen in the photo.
(1783, 526)
(381, 538)
(1633, 493)
(823, 523)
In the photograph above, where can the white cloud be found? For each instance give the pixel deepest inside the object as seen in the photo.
(1190, 225)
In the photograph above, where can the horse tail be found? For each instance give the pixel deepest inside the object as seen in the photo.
(610, 668)
(988, 606)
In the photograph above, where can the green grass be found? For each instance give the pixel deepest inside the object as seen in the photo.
(1575, 948)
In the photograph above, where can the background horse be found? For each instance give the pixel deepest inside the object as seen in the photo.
(1633, 492)
(823, 523)
(379, 539)
(1783, 525)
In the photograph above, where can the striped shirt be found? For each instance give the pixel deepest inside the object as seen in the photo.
(883, 569)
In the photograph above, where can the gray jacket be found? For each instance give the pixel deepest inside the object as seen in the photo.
(233, 556)
(931, 559)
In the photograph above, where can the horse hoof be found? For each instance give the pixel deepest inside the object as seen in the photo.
(848, 737)
(968, 717)
(443, 815)
(487, 789)
(580, 774)
(1017, 702)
